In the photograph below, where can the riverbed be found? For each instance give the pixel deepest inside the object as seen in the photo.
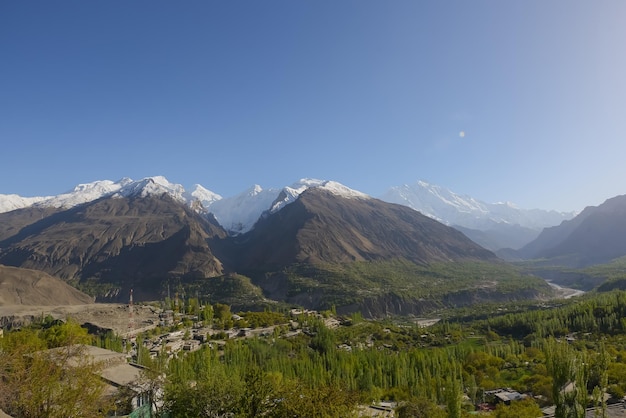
(565, 292)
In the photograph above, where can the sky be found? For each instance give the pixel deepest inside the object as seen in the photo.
(519, 101)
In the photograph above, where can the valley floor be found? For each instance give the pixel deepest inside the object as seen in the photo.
(104, 315)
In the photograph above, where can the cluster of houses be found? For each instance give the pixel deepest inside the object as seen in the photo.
(118, 370)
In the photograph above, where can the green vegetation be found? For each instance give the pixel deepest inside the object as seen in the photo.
(421, 369)
(442, 284)
(606, 276)
(568, 353)
(387, 361)
(35, 382)
(370, 287)
(233, 289)
(95, 288)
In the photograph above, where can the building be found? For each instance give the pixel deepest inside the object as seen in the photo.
(119, 375)
(507, 396)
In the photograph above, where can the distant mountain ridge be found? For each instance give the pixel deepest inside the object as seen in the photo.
(128, 241)
(309, 250)
(494, 226)
(237, 213)
(316, 228)
(596, 235)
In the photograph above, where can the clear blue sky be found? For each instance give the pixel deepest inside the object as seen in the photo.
(372, 94)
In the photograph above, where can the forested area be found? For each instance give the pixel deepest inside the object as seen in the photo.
(37, 382)
(566, 353)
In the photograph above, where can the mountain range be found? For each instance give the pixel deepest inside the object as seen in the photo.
(596, 235)
(492, 225)
(317, 244)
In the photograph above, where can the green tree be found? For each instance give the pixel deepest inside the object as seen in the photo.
(324, 401)
(66, 334)
(223, 315)
(206, 315)
(200, 386)
(453, 397)
(526, 408)
(420, 408)
(36, 382)
(569, 371)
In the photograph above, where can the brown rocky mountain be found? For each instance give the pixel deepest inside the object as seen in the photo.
(320, 227)
(119, 242)
(363, 254)
(11, 223)
(323, 249)
(31, 287)
(596, 235)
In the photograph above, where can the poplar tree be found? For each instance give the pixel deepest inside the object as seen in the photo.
(569, 371)
(36, 382)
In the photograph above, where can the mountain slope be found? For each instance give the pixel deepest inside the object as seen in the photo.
(596, 235)
(500, 236)
(318, 244)
(323, 227)
(238, 214)
(493, 226)
(89, 192)
(138, 240)
(357, 253)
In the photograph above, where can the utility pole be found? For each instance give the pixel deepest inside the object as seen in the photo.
(131, 316)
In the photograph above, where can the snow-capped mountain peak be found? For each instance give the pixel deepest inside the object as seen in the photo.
(9, 202)
(203, 195)
(255, 190)
(291, 193)
(344, 191)
(125, 187)
(239, 213)
(153, 186)
(83, 193)
(236, 214)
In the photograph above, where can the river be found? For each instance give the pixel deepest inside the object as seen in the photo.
(565, 292)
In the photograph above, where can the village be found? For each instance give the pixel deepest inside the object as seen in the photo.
(189, 332)
(153, 332)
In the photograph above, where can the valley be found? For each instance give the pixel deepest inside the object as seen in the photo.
(328, 288)
(312, 209)
(508, 348)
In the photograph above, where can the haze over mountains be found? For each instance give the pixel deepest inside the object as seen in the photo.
(596, 235)
(492, 225)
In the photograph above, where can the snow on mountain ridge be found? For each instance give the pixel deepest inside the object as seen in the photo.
(291, 193)
(153, 186)
(88, 192)
(203, 195)
(82, 193)
(9, 202)
(239, 213)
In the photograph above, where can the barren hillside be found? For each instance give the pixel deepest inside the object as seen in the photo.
(31, 287)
